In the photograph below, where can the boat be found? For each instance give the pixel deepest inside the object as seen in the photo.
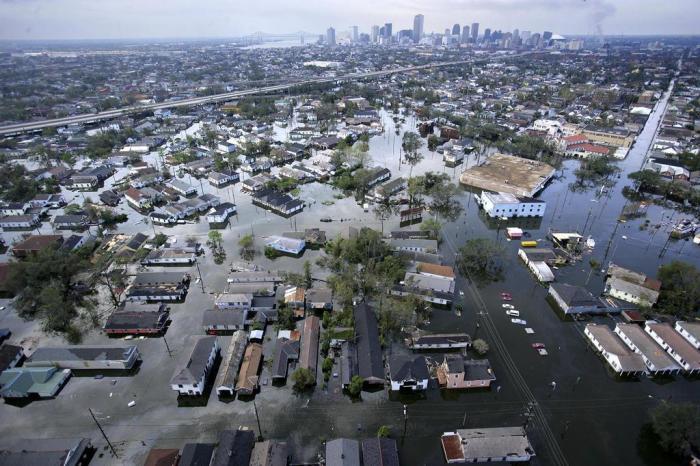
(519, 321)
(513, 313)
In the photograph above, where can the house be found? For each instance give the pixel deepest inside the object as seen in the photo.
(182, 188)
(221, 179)
(538, 260)
(623, 360)
(110, 198)
(162, 457)
(658, 362)
(574, 299)
(170, 256)
(270, 453)
(225, 383)
(136, 323)
(319, 298)
(158, 286)
(70, 222)
(690, 331)
(192, 376)
(284, 245)
(414, 245)
(47, 451)
(286, 350)
(421, 341)
(619, 137)
(377, 175)
(342, 452)
(369, 357)
(507, 205)
(386, 190)
(308, 355)
(14, 208)
(221, 213)
(83, 183)
(248, 378)
(137, 199)
(486, 445)
(10, 356)
(52, 201)
(631, 286)
(279, 203)
(234, 448)
(294, 298)
(408, 373)
(197, 454)
(668, 168)
(455, 373)
(85, 357)
(35, 243)
(20, 222)
(74, 242)
(223, 322)
(687, 356)
(32, 382)
(380, 451)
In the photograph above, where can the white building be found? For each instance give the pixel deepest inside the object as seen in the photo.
(191, 377)
(622, 360)
(690, 331)
(675, 344)
(509, 205)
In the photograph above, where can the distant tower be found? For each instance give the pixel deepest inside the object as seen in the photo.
(355, 37)
(418, 22)
(330, 37)
(455, 30)
(487, 34)
(516, 34)
(375, 34)
(465, 34)
(475, 31)
(546, 36)
(301, 39)
(387, 32)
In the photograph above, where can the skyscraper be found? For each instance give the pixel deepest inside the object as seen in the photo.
(546, 36)
(465, 34)
(387, 30)
(330, 36)
(455, 30)
(487, 34)
(475, 31)
(375, 34)
(516, 34)
(355, 37)
(418, 21)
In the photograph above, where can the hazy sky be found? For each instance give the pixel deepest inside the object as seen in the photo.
(93, 19)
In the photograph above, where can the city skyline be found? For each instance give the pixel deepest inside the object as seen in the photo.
(77, 19)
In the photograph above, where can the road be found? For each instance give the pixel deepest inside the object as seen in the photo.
(19, 128)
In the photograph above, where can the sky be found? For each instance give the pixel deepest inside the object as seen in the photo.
(143, 19)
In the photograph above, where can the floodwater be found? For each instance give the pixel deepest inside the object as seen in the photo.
(595, 417)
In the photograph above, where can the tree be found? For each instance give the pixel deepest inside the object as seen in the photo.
(308, 280)
(384, 209)
(432, 226)
(383, 431)
(411, 143)
(303, 379)
(433, 142)
(680, 288)
(355, 387)
(247, 250)
(480, 346)
(216, 244)
(677, 426)
(481, 260)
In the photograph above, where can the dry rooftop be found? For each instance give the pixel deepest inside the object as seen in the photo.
(508, 174)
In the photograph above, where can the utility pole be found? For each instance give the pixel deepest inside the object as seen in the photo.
(170, 353)
(103, 433)
(201, 282)
(257, 418)
(405, 423)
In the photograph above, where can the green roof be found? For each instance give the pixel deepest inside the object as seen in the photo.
(21, 382)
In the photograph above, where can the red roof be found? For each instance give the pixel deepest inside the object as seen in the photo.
(576, 138)
(586, 147)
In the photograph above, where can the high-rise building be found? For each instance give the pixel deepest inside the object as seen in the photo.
(330, 36)
(455, 30)
(475, 31)
(387, 30)
(418, 22)
(487, 34)
(375, 34)
(465, 34)
(516, 34)
(525, 36)
(355, 37)
(546, 36)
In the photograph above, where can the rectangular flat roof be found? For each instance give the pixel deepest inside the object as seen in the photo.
(508, 174)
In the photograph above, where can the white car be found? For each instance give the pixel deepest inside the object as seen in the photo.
(513, 313)
(507, 306)
(519, 321)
